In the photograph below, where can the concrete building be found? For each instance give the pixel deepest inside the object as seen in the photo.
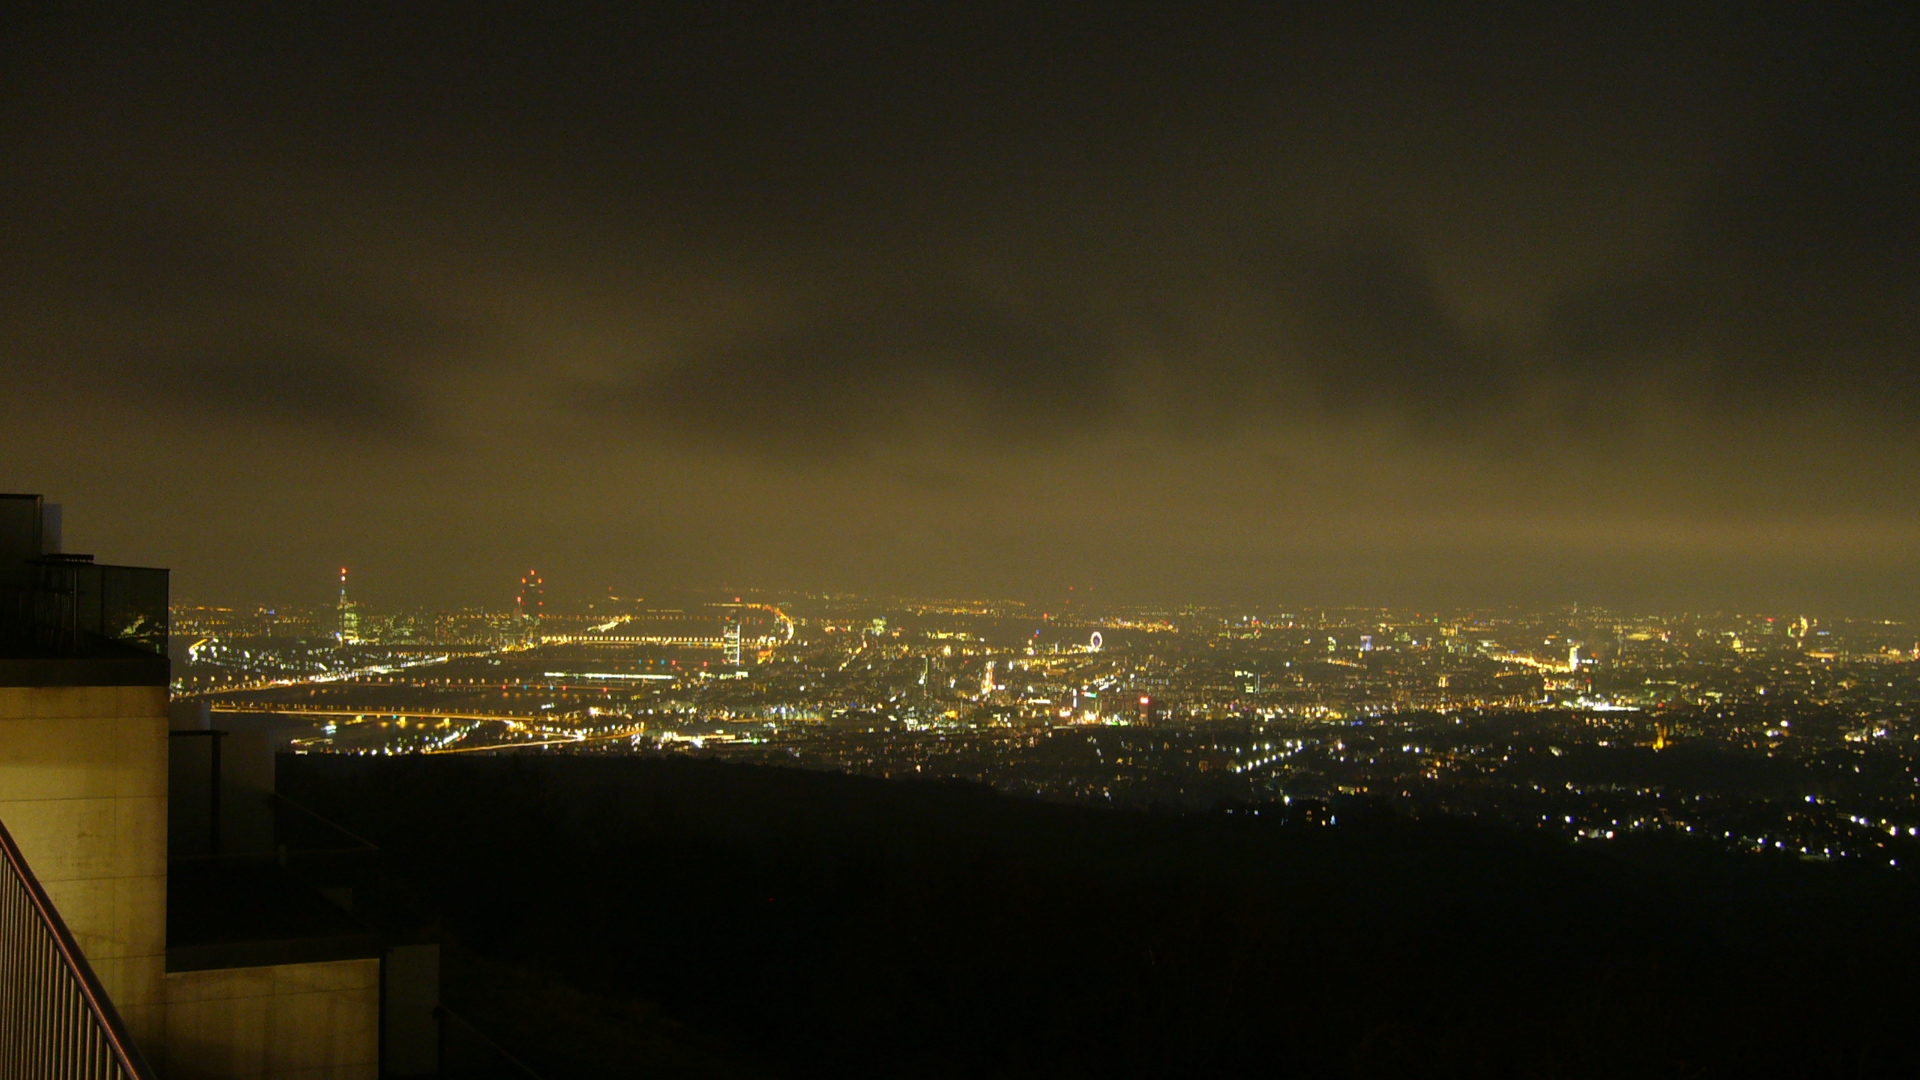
(223, 962)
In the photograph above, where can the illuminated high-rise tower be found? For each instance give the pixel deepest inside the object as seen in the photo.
(532, 604)
(928, 681)
(348, 631)
(732, 641)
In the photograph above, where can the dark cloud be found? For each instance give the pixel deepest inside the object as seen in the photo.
(1792, 279)
(1379, 336)
(888, 354)
(283, 383)
(1266, 273)
(229, 308)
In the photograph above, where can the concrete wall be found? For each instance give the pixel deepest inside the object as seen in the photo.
(83, 789)
(287, 1022)
(410, 1035)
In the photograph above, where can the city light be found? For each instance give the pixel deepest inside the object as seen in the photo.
(1475, 713)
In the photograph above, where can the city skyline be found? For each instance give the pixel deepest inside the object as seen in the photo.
(1754, 733)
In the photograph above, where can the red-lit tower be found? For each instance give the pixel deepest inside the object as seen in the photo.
(532, 604)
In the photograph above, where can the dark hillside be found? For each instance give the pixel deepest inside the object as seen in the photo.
(808, 924)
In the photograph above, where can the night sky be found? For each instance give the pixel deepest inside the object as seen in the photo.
(1327, 303)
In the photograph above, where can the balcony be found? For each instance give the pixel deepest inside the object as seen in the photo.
(66, 620)
(75, 605)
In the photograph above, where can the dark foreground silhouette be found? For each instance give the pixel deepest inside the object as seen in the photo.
(611, 916)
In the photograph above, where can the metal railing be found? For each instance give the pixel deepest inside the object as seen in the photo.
(56, 1023)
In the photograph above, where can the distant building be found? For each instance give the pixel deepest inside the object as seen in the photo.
(1086, 703)
(731, 643)
(531, 605)
(348, 628)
